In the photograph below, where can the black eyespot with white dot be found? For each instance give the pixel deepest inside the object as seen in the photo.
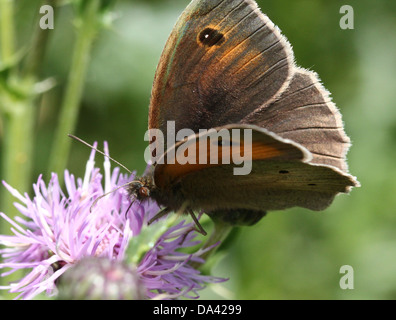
(210, 37)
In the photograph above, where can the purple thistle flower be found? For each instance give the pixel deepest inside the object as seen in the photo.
(58, 230)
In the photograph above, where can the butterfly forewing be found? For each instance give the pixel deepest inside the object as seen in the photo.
(222, 61)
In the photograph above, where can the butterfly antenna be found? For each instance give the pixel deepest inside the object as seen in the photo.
(101, 152)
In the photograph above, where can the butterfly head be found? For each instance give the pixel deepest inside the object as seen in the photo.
(140, 189)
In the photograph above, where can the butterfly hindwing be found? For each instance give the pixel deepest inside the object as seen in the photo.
(305, 114)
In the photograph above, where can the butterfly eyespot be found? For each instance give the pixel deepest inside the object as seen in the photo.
(210, 37)
(283, 172)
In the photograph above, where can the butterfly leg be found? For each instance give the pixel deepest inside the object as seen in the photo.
(163, 212)
(199, 229)
(130, 206)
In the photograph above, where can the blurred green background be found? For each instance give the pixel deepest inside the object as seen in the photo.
(295, 254)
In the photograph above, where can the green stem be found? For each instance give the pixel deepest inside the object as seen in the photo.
(17, 149)
(17, 112)
(87, 28)
(7, 29)
(14, 151)
(18, 106)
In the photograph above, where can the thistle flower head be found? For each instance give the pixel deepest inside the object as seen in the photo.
(56, 230)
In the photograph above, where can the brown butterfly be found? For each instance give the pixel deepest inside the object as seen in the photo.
(226, 66)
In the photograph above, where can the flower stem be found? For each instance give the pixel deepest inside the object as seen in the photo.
(7, 29)
(16, 111)
(87, 26)
(18, 106)
(17, 148)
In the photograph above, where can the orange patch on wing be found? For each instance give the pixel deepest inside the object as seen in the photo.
(168, 173)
